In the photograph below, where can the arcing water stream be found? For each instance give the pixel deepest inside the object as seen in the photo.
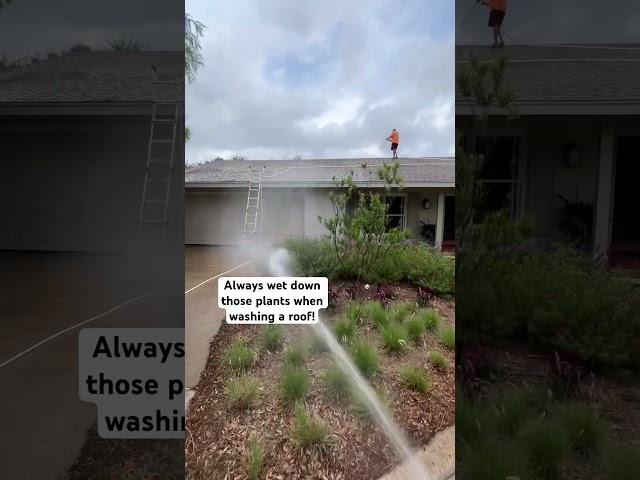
(278, 266)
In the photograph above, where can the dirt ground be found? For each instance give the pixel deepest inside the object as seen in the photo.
(216, 436)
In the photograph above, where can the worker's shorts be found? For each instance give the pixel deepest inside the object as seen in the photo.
(394, 146)
(496, 17)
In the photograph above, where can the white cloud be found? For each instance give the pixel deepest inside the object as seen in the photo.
(322, 79)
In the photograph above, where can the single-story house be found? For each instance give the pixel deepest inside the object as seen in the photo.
(74, 133)
(569, 159)
(296, 192)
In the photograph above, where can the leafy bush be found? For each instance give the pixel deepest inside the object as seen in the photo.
(559, 299)
(242, 391)
(366, 358)
(310, 432)
(254, 461)
(430, 318)
(447, 337)
(294, 383)
(438, 360)
(344, 329)
(377, 314)
(272, 337)
(416, 378)
(415, 328)
(239, 356)
(418, 264)
(294, 355)
(335, 383)
(394, 337)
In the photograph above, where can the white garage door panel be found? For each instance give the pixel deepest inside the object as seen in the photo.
(215, 218)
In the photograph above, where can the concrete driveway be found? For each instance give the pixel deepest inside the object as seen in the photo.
(203, 266)
(43, 421)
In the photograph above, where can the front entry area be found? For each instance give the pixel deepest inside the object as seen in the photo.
(625, 228)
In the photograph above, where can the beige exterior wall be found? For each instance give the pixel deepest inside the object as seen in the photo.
(216, 216)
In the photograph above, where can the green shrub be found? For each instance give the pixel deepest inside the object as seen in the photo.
(447, 337)
(585, 429)
(394, 337)
(254, 461)
(416, 378)
(415, 328)
(310, 432)
(335, 383)
(360, 407)
(242, 391)
(547, 447)
(469, 425)
(239, 357)
(438, 360)
(366, 358)
(356, 312)
(510, 409)
(294, 383)
(430, 318)
(377, 314)
(344, 329)
(414, 263)
(294, 355)
(621, 462)
(272, 337)
(315, 343)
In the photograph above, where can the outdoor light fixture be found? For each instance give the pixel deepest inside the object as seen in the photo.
(572, 155)
(426, 204)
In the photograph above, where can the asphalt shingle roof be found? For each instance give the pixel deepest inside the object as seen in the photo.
(90, 76)
(413, 170)
(565, 74)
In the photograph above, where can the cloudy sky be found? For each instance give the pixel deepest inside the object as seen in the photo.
(38, 27)
(553, 21)
(322, 79)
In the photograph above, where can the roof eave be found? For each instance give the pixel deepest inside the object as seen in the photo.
(75, 108)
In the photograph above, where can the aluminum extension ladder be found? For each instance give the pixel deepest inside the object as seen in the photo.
(253, 214)
(161, 154)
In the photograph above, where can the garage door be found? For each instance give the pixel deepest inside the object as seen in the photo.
(214, 218)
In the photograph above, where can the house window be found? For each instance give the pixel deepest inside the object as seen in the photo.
(500, 174)
(396, 211)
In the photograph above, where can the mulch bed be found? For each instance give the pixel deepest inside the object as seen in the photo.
(107, 459)
(216, 436)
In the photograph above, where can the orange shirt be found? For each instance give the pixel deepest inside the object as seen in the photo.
(498, 5)
(395, 137)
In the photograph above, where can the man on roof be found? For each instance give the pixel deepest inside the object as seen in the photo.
(497, 11)
(394, 138)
